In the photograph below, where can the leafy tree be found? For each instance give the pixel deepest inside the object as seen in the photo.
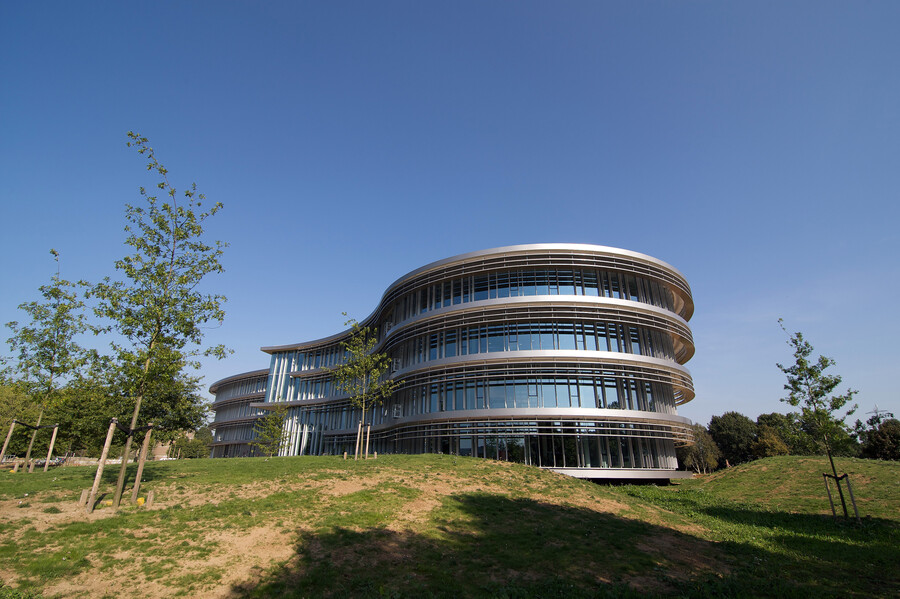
(734, 434)
(45, 350)
(811, 389)
(171, 399)
(195, 445)
(84, 412)
(157, 309)
(15, 404)
(882, 442)
(785, 427)
(768, 443)
(703, 456)
(361, 376)
(269, 431)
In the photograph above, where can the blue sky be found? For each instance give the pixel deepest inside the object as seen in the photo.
(754, 146)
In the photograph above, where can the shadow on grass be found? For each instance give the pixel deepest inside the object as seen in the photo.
(851, 558)
(480, 545)
(826, 556)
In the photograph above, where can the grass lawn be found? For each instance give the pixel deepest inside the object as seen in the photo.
(443, 526)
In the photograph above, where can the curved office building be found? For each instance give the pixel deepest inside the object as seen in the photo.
(563, 356)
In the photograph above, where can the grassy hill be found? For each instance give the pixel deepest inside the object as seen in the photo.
(442, 526)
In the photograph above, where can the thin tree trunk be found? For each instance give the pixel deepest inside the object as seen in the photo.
(120, 484)
(368, 436)
(141, 461)
(358, 435)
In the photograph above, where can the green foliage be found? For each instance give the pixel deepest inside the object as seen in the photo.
(361, 376)
(192, 446)
(171, 399)
(768, 443)
(10, 593)
(45, 350)
(157, 307)
(811, 389)
(269, 432)
(883, 442)
(703, 456)
(15, 403)
(734, 434)
(787, 429)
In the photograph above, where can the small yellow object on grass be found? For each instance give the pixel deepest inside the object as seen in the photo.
(140, 501)
(108, 502)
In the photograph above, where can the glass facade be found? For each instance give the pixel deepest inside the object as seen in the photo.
(560, 356)
(233, 423)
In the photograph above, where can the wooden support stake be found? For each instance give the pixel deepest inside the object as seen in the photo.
(12, 425)
(849, 488)
(345, 455)
(31, 466)
(141, 460)
(99, 475)
(368, 436)
(16, 467)
(50, 451)
(358, 440)
(830, 500)
(150, 497)
(84, 496)
(33, 435)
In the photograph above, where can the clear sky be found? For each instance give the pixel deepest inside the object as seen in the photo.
(755, 146)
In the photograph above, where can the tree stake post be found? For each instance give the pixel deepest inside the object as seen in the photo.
(12, 425)
(52, 443)
(141, 461)
(99, 475)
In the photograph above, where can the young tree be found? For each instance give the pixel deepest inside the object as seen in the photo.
(45, 350)
(361, 376)
(15, 404)
(270, 433)
(810, 389)
(703, 456)
(158, 309)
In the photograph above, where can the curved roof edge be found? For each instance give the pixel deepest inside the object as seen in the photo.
(508, 249)
(528, 247)
(228, 379)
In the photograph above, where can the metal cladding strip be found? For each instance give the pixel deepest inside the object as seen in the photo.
(507, 422)
(503, 311)
(544, 309)
(237, 399)
(518, 256)
(535, 363)
(520, 357)
(622, 473)
(234, 421)
(575, 362)
(556, 305)
(542, 255)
